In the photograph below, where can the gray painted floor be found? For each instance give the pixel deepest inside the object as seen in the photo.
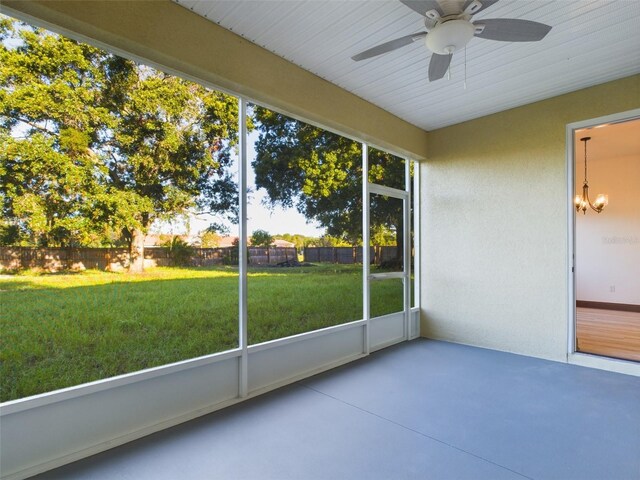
(424, 409)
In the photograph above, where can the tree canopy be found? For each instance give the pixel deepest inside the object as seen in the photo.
(95, 147)
(261, 238)
(320, 174)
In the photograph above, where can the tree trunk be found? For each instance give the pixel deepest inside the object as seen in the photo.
(136, 251)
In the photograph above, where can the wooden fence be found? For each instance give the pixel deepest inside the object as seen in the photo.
(271, 255)
(117, 259)
(56, 259)
(349, 255)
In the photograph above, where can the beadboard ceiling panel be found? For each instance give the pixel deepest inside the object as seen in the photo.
(591, 42)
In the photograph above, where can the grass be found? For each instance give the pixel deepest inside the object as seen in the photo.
(60, 330)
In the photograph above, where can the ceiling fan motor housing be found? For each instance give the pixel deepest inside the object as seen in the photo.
(450, 36)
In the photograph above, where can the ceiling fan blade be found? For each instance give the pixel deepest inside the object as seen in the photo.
(512, 30)
(438, 66)
(388, 46)
(423, 6)
(485, 4)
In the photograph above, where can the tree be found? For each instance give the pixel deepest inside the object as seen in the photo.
(327, 241)
(180, 252)
(94, 144)
(320, 174)
(382, 236)
(47, 121)
(261, 238)
(209, 239)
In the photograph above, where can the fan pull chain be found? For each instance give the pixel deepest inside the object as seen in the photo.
(465, 67)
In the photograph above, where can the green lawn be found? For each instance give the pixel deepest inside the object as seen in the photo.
(61, 330)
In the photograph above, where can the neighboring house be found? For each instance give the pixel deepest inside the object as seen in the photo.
(282, 244)
(229, 241)
(156, 239)
(161, 239)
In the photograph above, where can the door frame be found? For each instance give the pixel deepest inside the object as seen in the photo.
(369, 189)
(579, 358)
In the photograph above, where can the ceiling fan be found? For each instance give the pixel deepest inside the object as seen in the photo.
(447, 32)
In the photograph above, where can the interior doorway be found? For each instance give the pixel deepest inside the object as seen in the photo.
(606, 240)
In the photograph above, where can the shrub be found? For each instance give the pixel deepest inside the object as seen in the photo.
(180, 252)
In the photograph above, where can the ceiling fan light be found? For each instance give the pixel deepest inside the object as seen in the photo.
(450, 36)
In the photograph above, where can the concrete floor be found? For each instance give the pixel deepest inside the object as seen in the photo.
(424, 409)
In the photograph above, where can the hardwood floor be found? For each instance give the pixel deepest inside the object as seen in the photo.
(609, 333)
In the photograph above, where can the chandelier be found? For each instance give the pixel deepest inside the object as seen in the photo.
(582, 201)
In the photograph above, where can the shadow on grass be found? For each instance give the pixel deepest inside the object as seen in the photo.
(15, 284)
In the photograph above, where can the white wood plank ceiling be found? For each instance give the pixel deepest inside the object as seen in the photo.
(591, 42)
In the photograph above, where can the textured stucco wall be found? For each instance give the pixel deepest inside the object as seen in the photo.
(494, 223)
